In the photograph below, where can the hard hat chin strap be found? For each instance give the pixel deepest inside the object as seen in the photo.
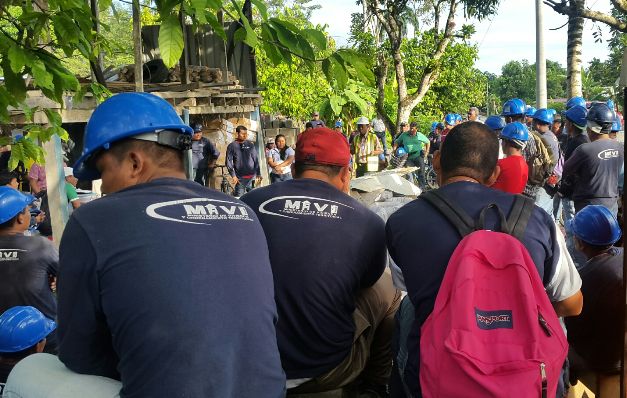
(172, 139)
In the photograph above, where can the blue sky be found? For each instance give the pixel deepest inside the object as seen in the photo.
(510, 35)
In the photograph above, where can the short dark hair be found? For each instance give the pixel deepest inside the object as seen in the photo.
(329, 170)
(8, 224)
(470, 149)
(164, 156)
(240, 128)
(517, 118)
(413, 124)
(7, 176)
(308, 124)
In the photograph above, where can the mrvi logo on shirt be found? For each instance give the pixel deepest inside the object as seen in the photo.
(295, 206)
(198, 211)
(10, 254)
(488, 320)
(608, 154)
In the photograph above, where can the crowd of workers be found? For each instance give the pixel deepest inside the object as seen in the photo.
(164, 287)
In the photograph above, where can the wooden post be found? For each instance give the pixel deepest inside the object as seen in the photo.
(225, 68)
(55, 181)
(137, 45)
(183, 60)
(97, 67)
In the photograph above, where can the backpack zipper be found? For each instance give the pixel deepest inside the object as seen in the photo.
(544, 325)
(544, 381)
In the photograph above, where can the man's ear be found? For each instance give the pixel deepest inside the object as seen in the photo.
(495, 175)
(24, 217)
(345, 178)
(136, 162)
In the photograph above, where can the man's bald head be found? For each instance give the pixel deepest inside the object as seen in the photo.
(470, 150)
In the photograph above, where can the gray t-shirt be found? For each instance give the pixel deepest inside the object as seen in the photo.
(594, 168)
(26, 263)
(550, 141)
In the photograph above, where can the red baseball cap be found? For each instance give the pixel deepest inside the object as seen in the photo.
(323, 146)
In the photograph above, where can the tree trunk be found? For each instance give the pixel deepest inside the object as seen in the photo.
(381, 74)
(573, 51)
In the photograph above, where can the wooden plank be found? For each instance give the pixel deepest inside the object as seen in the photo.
(178, 88)
(212, 110)
(243, 90)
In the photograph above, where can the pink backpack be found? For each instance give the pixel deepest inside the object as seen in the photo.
(493, 331)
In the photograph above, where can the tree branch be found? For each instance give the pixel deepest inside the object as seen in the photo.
(613, 22)
(432, 71)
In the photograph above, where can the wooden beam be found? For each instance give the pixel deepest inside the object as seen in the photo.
(137, 44)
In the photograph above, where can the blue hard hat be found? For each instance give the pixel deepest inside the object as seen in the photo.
(495, 122)
(610, 104)
(338, 123)
(595, 225)
(515, 131)
(433, 126)
(12, 203)
(401, 151)
(601, 114)
(577, 115)
(450, 119)
(458, 117)
(575, 101)
(530, 111)
(22, 327)
(123, 116)
(515, 106)
(616, 126)
(544, 115)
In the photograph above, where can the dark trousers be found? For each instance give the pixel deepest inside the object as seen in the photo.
(418, 162)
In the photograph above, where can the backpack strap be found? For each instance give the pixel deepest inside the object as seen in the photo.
(454, 214)
(519, 216)
(505, 226)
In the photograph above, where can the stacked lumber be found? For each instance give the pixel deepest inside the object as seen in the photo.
(195, 73)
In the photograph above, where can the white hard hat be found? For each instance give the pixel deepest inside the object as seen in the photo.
(68, 171)
(363, 120)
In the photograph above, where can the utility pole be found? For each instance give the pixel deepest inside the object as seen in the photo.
(540, 58)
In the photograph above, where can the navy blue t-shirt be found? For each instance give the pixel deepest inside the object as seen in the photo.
(324, 248)
(421, 241)
(595, 168)
(167, 286)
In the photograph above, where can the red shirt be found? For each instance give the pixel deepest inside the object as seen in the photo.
(514, 173)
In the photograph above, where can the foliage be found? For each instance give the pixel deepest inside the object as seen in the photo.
(42, 45)
(518, 80)
(355, 100)
(459, 84)
(291, 90)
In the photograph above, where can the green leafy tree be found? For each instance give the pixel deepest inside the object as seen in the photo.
(35, 36)
(518, 80)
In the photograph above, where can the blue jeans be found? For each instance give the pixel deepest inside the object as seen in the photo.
(544, 201)
(243, 185)
(279, 177)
